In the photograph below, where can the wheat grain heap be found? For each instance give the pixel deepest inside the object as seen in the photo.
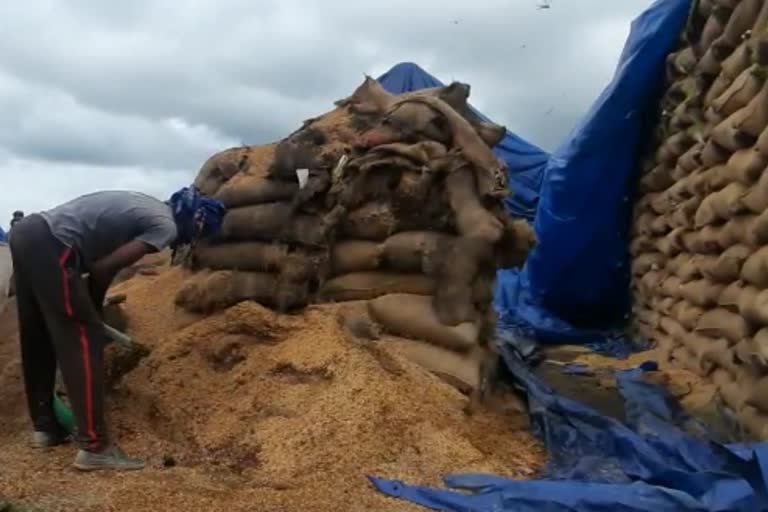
(700, 253)
(396, 200)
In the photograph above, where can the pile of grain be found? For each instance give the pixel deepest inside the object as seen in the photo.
(296, 408)
(402, 206)
(700, 260)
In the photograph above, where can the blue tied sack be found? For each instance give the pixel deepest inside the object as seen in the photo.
(196, 215)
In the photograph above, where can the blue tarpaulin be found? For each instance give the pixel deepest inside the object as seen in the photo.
(659, 460)
(575, 283)
(524, 160)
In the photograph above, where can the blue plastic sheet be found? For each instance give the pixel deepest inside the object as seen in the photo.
(660, 460)
(3, 236)
(575, 283)
(525, 161)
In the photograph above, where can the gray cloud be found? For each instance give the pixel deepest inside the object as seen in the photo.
(141, 92)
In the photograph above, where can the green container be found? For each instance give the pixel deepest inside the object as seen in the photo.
(63, 414)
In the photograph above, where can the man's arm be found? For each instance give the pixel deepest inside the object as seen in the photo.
(104, 270)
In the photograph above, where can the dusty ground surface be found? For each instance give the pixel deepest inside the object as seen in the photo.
(248, 410)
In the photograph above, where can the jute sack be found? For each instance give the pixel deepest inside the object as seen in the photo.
(741, 20)
(760, 346)
(670, 287)
(726, 267)
(719, 354)
(762, 143)
(715, 153)
(412, 316)
(415, 251)
(758, 394)
(702, 293)
(648, 261)
(731, 296)
(373, 221)
(703, 350)
(650, 281)
(683, 215)
(755, 421)
(747, 165)
(472, 219)
(721, 205)
(750, 121)
(270, 222)
(753, 304)
(671, 328)
(208, 292)
(733, 66)
(643, 224)
(659, 226)
(219, 168)
(704, 241)
(691, 159)
(713, 28)
(460, 370)
(741, 91)
(755, 269)
(666, 305)
(687, 315)
(249, 190)
(662, 203)
(657, 179)
(756, 198)
(675, 264)
(733, 394)
(690, 362)
(721, 323)
(369, 285)
(349, 256)
(757, 233)
(719, 177)
(736, 231)
(256, 256)
(641, 244)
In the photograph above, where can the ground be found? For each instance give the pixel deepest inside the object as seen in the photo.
(249, 410)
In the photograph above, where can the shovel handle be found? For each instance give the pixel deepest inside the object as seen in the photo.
(118, 336)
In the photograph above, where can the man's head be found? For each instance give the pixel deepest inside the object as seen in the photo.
(196, 216)
(17, 216)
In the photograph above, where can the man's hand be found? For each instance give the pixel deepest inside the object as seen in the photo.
(104, 270)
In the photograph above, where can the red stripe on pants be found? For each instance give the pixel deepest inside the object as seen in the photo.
(84, 347)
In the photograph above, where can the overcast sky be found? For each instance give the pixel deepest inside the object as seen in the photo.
(137, 94)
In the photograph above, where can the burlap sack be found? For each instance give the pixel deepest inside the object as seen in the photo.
(673, 243)
(650, 281)
(415, 251)
(756, 198)
(713, 28)
(762, 143)
(697, 183)
(736, 231)
(254, 256)
(757, 394)
(349, 256)
(714, 153)
(687, 315)
(684, 213)
(412, 316)
(460, 370)
(208, 292)
(702, 293)
(755, 269)
(741, 20)
(685, 359)
(726, 267)
(690, 269)
(219, 169)
(704, 241)
(472, 219)
(721, 205)
(670, 287)
(719, 178)
(755, 421)
(666, 306)
(753, 304)
(249, 190)
(747, 165)
(736, 63)
(751, 120)
(760, 347)
(648, 261)
(657, 179)
(733, 394)
(660, 227)
(369, 285)
(757, 231)
(272, 222)
(670, 327)
(662, 203)
(721, 323)
(691, 159)
(731, 296)
(373, 221)
(741, 91)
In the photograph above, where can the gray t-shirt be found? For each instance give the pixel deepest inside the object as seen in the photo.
(97, 224)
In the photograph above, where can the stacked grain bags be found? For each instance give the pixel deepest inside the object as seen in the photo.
(700, 241)
(394, 200)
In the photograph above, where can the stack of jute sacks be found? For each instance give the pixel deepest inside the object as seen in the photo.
(395, 200)
(700, 241)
